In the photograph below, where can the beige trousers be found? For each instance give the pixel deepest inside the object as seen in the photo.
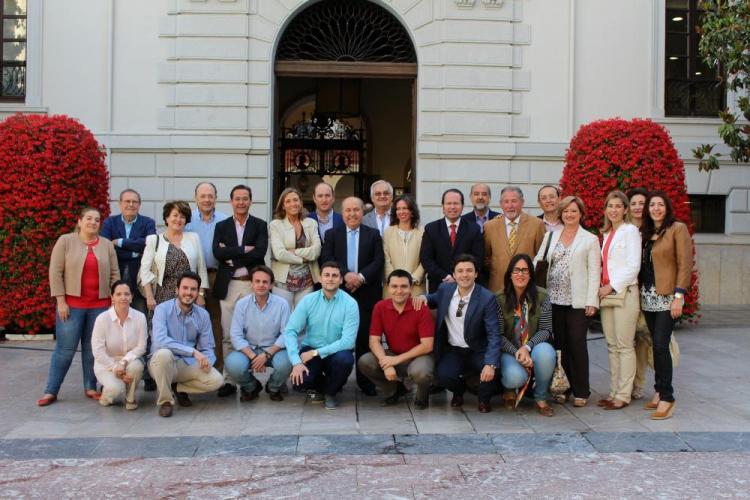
(165, 369)
(113, 387)
(619, 325)
(421, 370)
(236, 290)
(292, 298)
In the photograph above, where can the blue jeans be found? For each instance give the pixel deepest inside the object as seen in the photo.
(514, 375)
(327, 376)
(77, 329)
(238, 366)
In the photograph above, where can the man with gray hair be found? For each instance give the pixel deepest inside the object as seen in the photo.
(480, 197)
(381, 194)
(514, 233)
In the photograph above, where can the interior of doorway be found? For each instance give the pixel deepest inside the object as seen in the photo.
(382, 107)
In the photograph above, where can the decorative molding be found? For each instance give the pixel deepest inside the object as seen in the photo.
(492, 4)
(465, 4)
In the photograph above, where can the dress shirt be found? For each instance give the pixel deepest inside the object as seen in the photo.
(456, 325)
(448, 225)
(481, 219)
(550, 226)
(128, 227)
(330, 325)
(508, 227)
(324, 226)
(240, 229)
(356, 250)
(205, 230)
(383, 221)
(112, 342)
(182, 333)
(403, 330)
(255, 327)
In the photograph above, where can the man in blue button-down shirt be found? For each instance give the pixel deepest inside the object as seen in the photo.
(182, 348)
(330, 319)
(257, 323)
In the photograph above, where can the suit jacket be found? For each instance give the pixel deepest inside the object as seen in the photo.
(113, 228)
(406, 257)
(585, 266)
(497, 252)
(437, 255)
(338, 221)
(371, 220)
(155, 255)
(472, 217)
(283, 237)
(255, 235)
(623, 257)
(369, 260)
(481, 322)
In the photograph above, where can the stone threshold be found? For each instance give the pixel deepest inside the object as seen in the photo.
(374, 444)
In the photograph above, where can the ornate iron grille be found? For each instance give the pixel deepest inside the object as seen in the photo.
(347, 31)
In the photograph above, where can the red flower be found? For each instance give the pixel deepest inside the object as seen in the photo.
(51, 167)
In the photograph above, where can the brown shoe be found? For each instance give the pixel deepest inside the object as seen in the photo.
(457, 401)
(580, 402)
(509, 400)
(602, 403)
(247, 396)
(484, 407)
(663, 415)
(165, 410)
(545, 411)
(182, 398)
(616, 404)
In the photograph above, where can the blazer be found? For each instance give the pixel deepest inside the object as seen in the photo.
(672, 255)
(472, 217)
(437, 255)
(497, 252)
(370, 219)
(283, 237)
(152, 255)
(370, 261)
(66, 265)
(255, 235)
(623, 257)
(338, 220)
(406, 257)
(585, 266)
(481, 323)
(113, 228)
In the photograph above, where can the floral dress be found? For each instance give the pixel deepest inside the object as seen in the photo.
(299, 276)
(176, 263)
(558, 278)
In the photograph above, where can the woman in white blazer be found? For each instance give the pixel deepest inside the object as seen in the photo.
(573, 287)
(295, 248)
(169, 254)
(402, 241)
(619, 298)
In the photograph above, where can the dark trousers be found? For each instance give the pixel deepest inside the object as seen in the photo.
(570, 327)
(327, 375)
(455, 364)
(660, 324)
(362, 345)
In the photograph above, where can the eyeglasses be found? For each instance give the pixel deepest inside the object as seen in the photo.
(459, 311)
(381, 194)
(522, 271)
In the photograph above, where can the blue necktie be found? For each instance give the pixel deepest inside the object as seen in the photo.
(351, 252)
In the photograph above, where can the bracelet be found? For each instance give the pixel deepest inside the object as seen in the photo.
(268, 354)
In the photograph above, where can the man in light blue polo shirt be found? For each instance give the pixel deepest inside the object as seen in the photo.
(257, 323)
(324, 358)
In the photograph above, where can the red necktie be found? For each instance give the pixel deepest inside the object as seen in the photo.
(453, 235)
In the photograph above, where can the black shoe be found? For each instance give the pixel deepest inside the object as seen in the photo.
(165, 410)
(421, 404)
(226, 390)
(435, 389)
(393, 399)
(182, 398)
(246, 396)
(369, 391)
(457, 401)
(274, 395)
(149, 385)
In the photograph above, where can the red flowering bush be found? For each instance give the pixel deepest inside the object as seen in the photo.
(51, 167)
(619, 154)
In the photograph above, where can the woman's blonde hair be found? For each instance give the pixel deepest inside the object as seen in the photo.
(607, 225)
(279, 212)
(567, 201)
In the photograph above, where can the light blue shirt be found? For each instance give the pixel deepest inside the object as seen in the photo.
(255, 327)
(182, 333)
(128, 228)
(205, 232)
(330, 325)
(323, 227)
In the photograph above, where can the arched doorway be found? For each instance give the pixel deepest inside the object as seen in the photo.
(345, 100)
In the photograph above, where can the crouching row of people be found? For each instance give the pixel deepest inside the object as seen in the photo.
(504, 339)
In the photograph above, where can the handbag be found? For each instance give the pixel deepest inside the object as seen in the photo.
(542, 267)
(614, 299)
(560, 383)
(154, 269)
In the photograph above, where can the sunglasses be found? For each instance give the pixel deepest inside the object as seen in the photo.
(460, 310)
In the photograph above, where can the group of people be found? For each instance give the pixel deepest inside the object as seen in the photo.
(352, 291)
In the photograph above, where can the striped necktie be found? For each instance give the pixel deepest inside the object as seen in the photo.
(513, 237)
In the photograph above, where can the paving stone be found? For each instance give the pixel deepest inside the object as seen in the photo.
(628, 442)
(247, 445)
(445, 443)
(559, 442)
(717, 441)
(26, 449)
(151, 447)
(364, 444)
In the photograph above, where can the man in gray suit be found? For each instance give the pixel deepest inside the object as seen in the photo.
(381, 194)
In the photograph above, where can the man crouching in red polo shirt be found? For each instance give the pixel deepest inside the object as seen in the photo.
(409, 334)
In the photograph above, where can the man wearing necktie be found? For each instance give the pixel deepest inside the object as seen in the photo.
(359, 251)
(381, 193)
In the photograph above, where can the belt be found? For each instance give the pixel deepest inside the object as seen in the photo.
(242, 278)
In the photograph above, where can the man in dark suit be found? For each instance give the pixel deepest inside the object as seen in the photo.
(467, 334)
(447, 238)
(324, 197)
(127, 231)
(358, 249)
(480, 199)
(240, 243)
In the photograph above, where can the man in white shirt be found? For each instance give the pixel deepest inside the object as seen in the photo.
(549, 201)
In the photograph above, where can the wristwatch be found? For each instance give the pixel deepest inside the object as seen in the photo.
(315, 353)
(202, 293)
(679, 295)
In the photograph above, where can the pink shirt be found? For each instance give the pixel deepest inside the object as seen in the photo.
(240, 228)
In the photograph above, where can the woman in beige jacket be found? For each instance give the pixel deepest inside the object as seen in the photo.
(295, 248)
(402, 241)
(82, 267)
